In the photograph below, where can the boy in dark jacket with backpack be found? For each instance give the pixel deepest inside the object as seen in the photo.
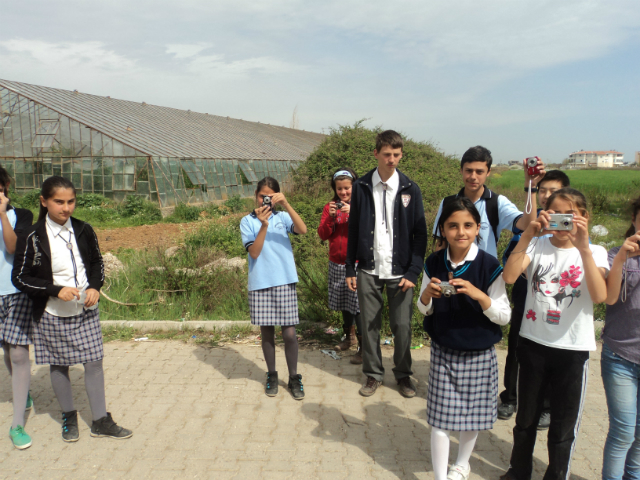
(388, 240)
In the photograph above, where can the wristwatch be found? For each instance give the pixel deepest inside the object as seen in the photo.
(533, 189)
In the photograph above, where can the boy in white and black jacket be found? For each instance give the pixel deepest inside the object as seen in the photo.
(388, 240)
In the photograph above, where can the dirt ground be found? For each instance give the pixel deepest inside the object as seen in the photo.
(162, 235)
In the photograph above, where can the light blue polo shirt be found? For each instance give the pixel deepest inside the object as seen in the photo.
(275, 265)
(508, 215)
(6, 260)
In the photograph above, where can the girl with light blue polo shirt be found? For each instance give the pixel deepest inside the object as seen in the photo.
(272, 279)
(15, 314)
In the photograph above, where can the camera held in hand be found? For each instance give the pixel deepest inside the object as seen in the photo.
(447, 289)
(339, 206)
(532, 166)
(266, 202)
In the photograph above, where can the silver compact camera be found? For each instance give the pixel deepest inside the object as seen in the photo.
(339, 205)
(447, 289)
(266, 202)
(560, 221)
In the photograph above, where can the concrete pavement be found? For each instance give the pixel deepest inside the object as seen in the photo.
(200, 412)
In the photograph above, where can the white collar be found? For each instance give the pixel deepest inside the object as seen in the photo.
(470, 257)
(56, 228)
(392, 183)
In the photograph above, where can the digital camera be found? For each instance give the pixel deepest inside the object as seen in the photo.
(560, 221)
(447, 289)
(532, 166)
(339, 205)
(266, 202)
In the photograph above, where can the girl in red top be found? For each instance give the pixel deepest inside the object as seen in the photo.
(334, 226)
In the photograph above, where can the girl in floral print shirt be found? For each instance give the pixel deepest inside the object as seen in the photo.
(566, 275)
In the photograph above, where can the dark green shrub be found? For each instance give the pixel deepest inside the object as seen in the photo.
(235, 204)
(135, 206)
(186, 213)
(89, 200)
(225, 238)
(30, 200)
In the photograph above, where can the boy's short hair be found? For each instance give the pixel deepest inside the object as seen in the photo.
(5, 178)
(477, 154)
(556, 175)
(389, 138)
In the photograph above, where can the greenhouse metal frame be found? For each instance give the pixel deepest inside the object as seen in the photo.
(118, 148)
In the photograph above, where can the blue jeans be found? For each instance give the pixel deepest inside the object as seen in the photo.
(621, 380)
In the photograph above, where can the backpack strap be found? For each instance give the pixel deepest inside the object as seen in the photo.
(491, 205)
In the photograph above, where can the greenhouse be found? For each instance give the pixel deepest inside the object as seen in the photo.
(118, 148)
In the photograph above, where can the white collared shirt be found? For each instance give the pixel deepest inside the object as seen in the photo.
(62, 269)
(383, 234)
(499, 311)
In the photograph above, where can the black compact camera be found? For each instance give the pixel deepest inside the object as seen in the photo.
(266, 202)
(339, 205)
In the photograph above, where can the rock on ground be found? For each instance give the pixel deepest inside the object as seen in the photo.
(112, 265)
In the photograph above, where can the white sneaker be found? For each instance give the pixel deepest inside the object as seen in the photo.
(458, 472)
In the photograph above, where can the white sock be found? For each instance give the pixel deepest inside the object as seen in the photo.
(440, 452)
(467, 442)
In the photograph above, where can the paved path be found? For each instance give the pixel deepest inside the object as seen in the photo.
(201, 413)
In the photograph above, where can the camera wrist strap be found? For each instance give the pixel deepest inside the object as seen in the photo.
(529, 206)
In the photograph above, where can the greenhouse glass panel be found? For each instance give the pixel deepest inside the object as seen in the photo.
(248, 172)
(96, 143)
(108, 183)
(129, 182)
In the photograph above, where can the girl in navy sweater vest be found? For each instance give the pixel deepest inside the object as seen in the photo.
(464, 327)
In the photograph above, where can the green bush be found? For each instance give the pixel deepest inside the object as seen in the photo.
(186, 213)
(223, 237)
(136, 206)
(30, 200)
(437, 174)
(88, 200)
(235, 204)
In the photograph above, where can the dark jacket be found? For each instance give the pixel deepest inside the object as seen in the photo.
(458, 322)
(409, 228)
(32, 272)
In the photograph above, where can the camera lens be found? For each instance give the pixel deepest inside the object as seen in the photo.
(566, 223)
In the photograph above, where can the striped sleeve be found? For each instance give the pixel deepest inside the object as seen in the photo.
(247, 232)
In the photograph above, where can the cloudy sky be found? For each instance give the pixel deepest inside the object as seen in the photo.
(525, 77)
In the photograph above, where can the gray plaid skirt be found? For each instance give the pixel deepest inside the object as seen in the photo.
(68, 340)
(340, 297)
(16, 326)
(463, 389)
(274, 306)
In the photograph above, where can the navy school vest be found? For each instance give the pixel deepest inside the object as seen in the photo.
(458, 322)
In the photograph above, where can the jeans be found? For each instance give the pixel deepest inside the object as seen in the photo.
(621, 380)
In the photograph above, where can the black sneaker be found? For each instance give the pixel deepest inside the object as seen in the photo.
(271, 388)
(70, 426)
(506, 411)
(545, 421)
(106, 427)
(295, 385)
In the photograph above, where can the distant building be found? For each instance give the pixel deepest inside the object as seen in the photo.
(597, 158)
(515, 162)
(637, 158)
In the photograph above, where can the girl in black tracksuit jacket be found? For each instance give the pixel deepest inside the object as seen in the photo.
(59, 266)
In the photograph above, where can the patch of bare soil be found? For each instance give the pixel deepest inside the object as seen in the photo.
(160, 235)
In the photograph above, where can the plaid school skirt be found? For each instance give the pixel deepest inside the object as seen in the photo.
(463, 389)
(274, 306)
(16, 326)
(68, 340)
(340, 297)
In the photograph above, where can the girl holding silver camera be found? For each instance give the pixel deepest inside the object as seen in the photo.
(465, 302)
(334, 226)
(273, 300)
(565, 277)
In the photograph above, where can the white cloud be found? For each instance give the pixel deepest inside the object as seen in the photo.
(186, 50)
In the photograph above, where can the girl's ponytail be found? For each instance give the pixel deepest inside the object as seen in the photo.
(635, 211)
(49, 187)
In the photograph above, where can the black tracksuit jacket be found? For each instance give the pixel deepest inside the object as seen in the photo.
(32, 272)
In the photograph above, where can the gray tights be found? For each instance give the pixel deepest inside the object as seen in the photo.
(16, 358)
(93, 383)
(290, 347)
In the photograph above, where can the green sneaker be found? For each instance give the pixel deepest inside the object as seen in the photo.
(20, 438)
(29, 402)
